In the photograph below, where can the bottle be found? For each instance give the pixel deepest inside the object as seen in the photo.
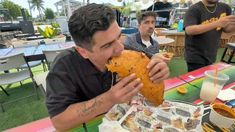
(180, 25)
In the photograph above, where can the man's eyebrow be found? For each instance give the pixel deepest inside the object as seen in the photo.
(111, 41)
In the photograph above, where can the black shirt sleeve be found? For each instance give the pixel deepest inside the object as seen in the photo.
(228, 10)
(192, 17)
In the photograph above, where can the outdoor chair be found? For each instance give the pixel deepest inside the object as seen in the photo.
(177, 47)
(11, 63)
(224, 39)
(229, 50)
(231, 47)
(31, 63)
(40, 80)
(50, 55)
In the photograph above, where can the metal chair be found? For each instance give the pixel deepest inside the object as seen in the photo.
(229, 46)
(31, 63)
(10, 63)
(177, 47)
(40, 80)
(229, 50)
(50, 55)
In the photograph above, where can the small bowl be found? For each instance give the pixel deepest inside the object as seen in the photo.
(222, 116)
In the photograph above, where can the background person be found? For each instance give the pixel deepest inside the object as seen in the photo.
(142, 40)
(204, 23)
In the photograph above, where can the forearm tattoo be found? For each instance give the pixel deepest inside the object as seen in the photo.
(89, 107)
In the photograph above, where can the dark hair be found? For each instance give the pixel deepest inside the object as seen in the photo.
(87, 20)
(145, 14)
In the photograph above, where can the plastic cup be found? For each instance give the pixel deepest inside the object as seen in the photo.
(212, 84)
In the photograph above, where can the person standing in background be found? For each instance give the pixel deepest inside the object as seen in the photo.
(204, 23)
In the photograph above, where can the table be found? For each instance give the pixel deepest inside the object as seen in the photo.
(191, 80)
(33, 53)
(36, 126)
(163, 41)
(178, 46)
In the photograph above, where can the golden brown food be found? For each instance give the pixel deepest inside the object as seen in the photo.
(178, 123)
(224, 110)
(136, 62)
(168, 54)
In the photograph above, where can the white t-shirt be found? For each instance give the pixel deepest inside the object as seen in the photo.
(146, 43)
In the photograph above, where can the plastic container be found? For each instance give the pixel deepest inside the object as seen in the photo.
(212, 85)
(219, 119)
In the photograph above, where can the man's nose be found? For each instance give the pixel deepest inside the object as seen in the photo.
(152, 25)
(119, 47)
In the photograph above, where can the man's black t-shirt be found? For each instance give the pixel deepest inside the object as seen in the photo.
(73, 79)
(202, 48)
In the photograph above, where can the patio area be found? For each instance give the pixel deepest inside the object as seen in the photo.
(31, 109)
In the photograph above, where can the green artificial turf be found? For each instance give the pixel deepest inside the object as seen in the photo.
(20, 111)
(30, 109)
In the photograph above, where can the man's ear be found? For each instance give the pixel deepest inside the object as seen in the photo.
(83, 52)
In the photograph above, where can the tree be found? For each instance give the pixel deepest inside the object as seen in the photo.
(37, 4)
(49, 14)
(14, 9)
(27, 14)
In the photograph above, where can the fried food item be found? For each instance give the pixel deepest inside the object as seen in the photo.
(168, 54)
(178, 123)
(182, 90)
(130, 123)
(136, 62)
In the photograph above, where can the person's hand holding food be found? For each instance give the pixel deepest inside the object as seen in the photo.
(158, 70)
(150, 72)
(165, 56)
(125, 89)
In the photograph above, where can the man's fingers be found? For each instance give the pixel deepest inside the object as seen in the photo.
(126, 80)
(161, 76)
(153, 62)
(131, 86)
(156, 68)
(134, 91)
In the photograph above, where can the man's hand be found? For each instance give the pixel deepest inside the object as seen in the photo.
(158, 70)
(225, 21)
(162, 57)
(125, 89)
